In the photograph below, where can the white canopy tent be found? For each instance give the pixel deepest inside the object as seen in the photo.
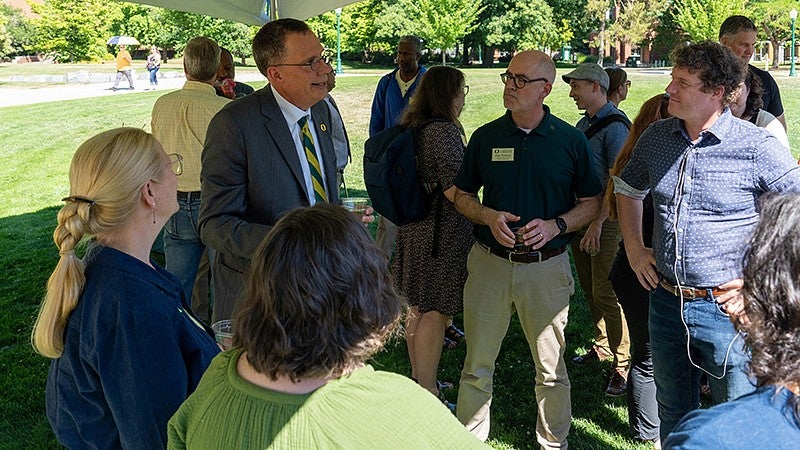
(251, 12)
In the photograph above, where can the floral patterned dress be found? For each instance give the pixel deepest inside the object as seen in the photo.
(436, 284)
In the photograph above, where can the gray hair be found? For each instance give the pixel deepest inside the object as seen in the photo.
(414, 41)
(201, 58)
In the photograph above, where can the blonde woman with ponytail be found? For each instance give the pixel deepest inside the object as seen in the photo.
(126, 350)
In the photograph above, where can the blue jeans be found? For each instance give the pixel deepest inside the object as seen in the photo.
(712, 339)
(153, 75)
(182, 245)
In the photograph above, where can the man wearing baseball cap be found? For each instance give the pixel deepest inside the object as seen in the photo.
(595, 246)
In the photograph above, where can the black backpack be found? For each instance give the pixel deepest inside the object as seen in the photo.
(391, 177)
(604, 122)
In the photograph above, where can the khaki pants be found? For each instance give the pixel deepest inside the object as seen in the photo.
(610, 329)
(539, 293)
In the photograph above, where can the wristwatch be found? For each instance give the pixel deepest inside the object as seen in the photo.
(562, 226)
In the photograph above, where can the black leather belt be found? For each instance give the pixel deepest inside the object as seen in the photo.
(526, 257)
(188, 196)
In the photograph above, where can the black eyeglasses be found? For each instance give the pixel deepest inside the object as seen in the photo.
(519, 82)
(314, 64)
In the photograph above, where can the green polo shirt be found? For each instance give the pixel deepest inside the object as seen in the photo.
(533, 175)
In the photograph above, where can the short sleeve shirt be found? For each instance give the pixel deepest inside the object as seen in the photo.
(533, 175)
(705, 194)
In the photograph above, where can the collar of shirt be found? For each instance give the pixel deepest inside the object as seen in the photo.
(290, 112)
(711, 136)
(199, 86)
(606, 110)
(544, 128)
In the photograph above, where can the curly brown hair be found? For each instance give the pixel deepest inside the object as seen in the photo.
(771, 294)
(319, 298)
(714, 64)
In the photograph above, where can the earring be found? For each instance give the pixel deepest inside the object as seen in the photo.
(154, 211)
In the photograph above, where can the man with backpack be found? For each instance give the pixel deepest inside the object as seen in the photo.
(595, 246)
(391, 98)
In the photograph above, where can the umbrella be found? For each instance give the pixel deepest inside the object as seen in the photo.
(122, 40)
(251, 12)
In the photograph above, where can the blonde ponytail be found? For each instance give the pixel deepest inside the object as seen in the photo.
(107, 170)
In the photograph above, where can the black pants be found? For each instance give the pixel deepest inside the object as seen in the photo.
(642, 406)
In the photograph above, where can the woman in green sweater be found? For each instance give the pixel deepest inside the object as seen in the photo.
(319, 301)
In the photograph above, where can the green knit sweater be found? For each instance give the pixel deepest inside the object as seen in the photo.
(365, 409)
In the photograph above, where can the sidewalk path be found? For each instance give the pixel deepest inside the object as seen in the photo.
(14, 96)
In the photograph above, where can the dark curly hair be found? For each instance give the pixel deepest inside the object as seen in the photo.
(714, 64)
(771, 294)
(755, 100)
(319, 298)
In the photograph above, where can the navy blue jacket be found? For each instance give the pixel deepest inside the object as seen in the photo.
(132, 354)
(388, 103)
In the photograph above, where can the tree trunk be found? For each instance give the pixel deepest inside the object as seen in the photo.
(775, 46)
(488, 56)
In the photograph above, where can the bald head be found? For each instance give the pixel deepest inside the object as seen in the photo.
(535, 62)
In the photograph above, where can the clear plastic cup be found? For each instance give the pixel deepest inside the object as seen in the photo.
(356, 205)
(223, 332)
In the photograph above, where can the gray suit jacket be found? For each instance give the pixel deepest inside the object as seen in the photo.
(251, 176)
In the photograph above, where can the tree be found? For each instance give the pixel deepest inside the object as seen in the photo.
(234, 36)
(637, 20)
(442, 22)
(74, 30)
(16, 30)
(772, 18)
(524, 25)
(701, 19)
(598, 10)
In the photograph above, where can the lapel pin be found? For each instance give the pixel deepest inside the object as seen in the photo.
(323, 127)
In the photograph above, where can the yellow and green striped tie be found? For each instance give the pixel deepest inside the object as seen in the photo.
(313, 162)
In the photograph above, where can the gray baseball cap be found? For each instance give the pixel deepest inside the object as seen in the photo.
(590, 72)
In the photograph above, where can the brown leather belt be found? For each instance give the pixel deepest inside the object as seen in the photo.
(690, 292)
(526, 257)
(188, 196)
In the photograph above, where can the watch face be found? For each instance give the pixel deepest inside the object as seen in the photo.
(562, 225)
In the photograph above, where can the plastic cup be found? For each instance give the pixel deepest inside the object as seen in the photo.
(223, 332)
(356, 205)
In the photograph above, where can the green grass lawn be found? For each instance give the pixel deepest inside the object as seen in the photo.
(37, 143)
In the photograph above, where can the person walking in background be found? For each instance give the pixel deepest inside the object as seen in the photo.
(126, 348)
(643, 419)
(391, 97)
(618, 85)
(319, 303)
(594, 246)
(706, 171)
(179, 121)
(739, 34)
(770, 416)
(537, 176)
(153, 64)
(123, 67)
(430, 260)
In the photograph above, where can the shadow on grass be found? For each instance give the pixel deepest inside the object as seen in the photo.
(27, 257)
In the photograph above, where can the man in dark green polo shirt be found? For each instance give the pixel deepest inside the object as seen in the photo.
(536, 173)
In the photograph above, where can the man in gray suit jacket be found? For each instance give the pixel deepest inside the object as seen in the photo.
(256, 162)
